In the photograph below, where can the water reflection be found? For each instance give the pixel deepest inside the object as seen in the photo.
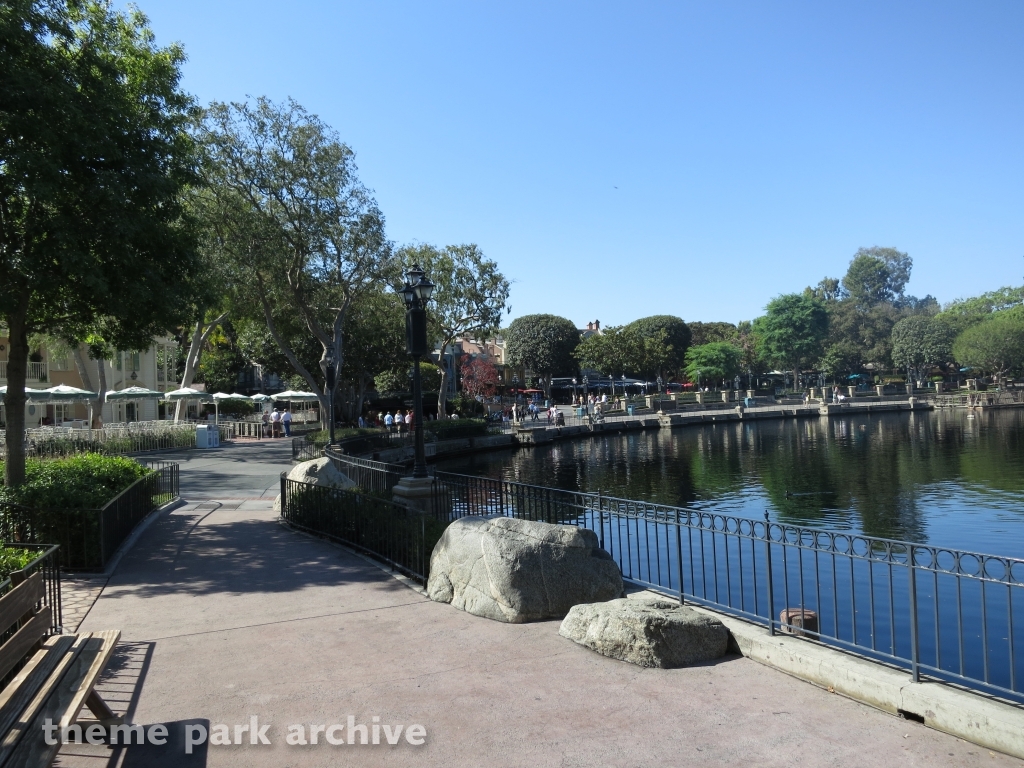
(938, 477)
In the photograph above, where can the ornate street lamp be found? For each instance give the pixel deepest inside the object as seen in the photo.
(331, 373)
(416, 293)
(574, 389)
(660, 382)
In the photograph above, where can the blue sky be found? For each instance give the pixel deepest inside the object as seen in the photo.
(621, 160)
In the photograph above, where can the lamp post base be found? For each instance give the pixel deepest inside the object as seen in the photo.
(415, 493)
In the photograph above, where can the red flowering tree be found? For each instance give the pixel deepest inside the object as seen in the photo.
(479, 376)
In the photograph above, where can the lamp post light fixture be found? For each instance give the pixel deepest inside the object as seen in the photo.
(574, 389)
(331, 374)
(660, 383)
(416, 293)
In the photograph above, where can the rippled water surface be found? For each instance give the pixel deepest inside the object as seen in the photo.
(943, 477)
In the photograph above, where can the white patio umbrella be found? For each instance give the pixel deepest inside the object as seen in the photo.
(298, 397)
(186, 393)
(134, 394)
(218, 397)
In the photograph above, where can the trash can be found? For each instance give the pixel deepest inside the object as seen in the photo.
(748, 402)
(203, 436)
(629, 409)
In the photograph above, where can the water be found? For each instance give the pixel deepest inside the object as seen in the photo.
(944, 477)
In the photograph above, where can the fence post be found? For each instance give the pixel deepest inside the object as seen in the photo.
(768, 558)
(915, 673)
(679, 553)
(600, 512)
(284, 480)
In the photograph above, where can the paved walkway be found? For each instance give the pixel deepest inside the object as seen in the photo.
(226, 614)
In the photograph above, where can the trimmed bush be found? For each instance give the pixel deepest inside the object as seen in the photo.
(14, 559)
(87, 481)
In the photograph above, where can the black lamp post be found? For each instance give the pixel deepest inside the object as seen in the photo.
(417, 292)
(574, 389)
(331, 372)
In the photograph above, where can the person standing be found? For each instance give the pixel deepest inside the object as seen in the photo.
(286, 422)
(275, 423)
(266, 424)
(389, 422)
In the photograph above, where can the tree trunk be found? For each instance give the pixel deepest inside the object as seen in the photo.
(96, 422)
(101, 377)
(442, 393)
(14, 400)
(195, 349)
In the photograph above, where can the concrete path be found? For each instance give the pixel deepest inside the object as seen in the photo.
(226, 615)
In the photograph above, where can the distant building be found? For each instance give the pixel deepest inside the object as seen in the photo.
(153, 368)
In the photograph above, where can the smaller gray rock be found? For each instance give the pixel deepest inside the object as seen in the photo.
(648, 633)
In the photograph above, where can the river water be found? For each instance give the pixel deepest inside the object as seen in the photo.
(946, 477)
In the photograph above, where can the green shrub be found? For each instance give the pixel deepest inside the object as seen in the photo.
(87, 481)
(14, 559)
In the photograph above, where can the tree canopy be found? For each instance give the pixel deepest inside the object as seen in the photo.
(995, 345)
(94, 157)
(663, 341)
(919, 341)
(543, 344)
(792, 329)
(305, 236)
(716, 362)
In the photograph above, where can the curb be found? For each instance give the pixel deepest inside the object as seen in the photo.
(971, 716)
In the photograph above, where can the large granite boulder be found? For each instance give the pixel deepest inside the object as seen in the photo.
(317, 472)
(518, 571)
(648, 633)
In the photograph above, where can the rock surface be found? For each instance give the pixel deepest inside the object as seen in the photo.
(648, 633)
(317, 472)
(517, 571)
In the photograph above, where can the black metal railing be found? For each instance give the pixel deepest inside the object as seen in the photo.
(307, 450)
(88, 538)
(47, 562)
(951, 615)
(371, 476)
(388, 532)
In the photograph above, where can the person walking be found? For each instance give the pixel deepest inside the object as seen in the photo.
(286, 422)
(389, 422)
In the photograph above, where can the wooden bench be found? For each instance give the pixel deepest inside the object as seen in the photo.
(56, 681)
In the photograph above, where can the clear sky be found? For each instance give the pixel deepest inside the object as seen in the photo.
(621, 160)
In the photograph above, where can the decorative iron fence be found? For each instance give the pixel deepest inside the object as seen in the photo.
(59, 442)
(389, 532)
(370, 476)
(951, 615)
(88, 538)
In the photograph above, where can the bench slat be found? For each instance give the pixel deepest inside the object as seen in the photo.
(33, 751)
(21, 600)
(18, 646)
(27, 683)
(109, 640)
(13, 738)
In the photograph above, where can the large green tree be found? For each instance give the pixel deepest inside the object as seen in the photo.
(995, 345)
(664, 341)
(94, 157)
(792, 330)
(877, 275)
(469, 298)
(543, 344)
(716, 362)
(305, 237)
(919, 341)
